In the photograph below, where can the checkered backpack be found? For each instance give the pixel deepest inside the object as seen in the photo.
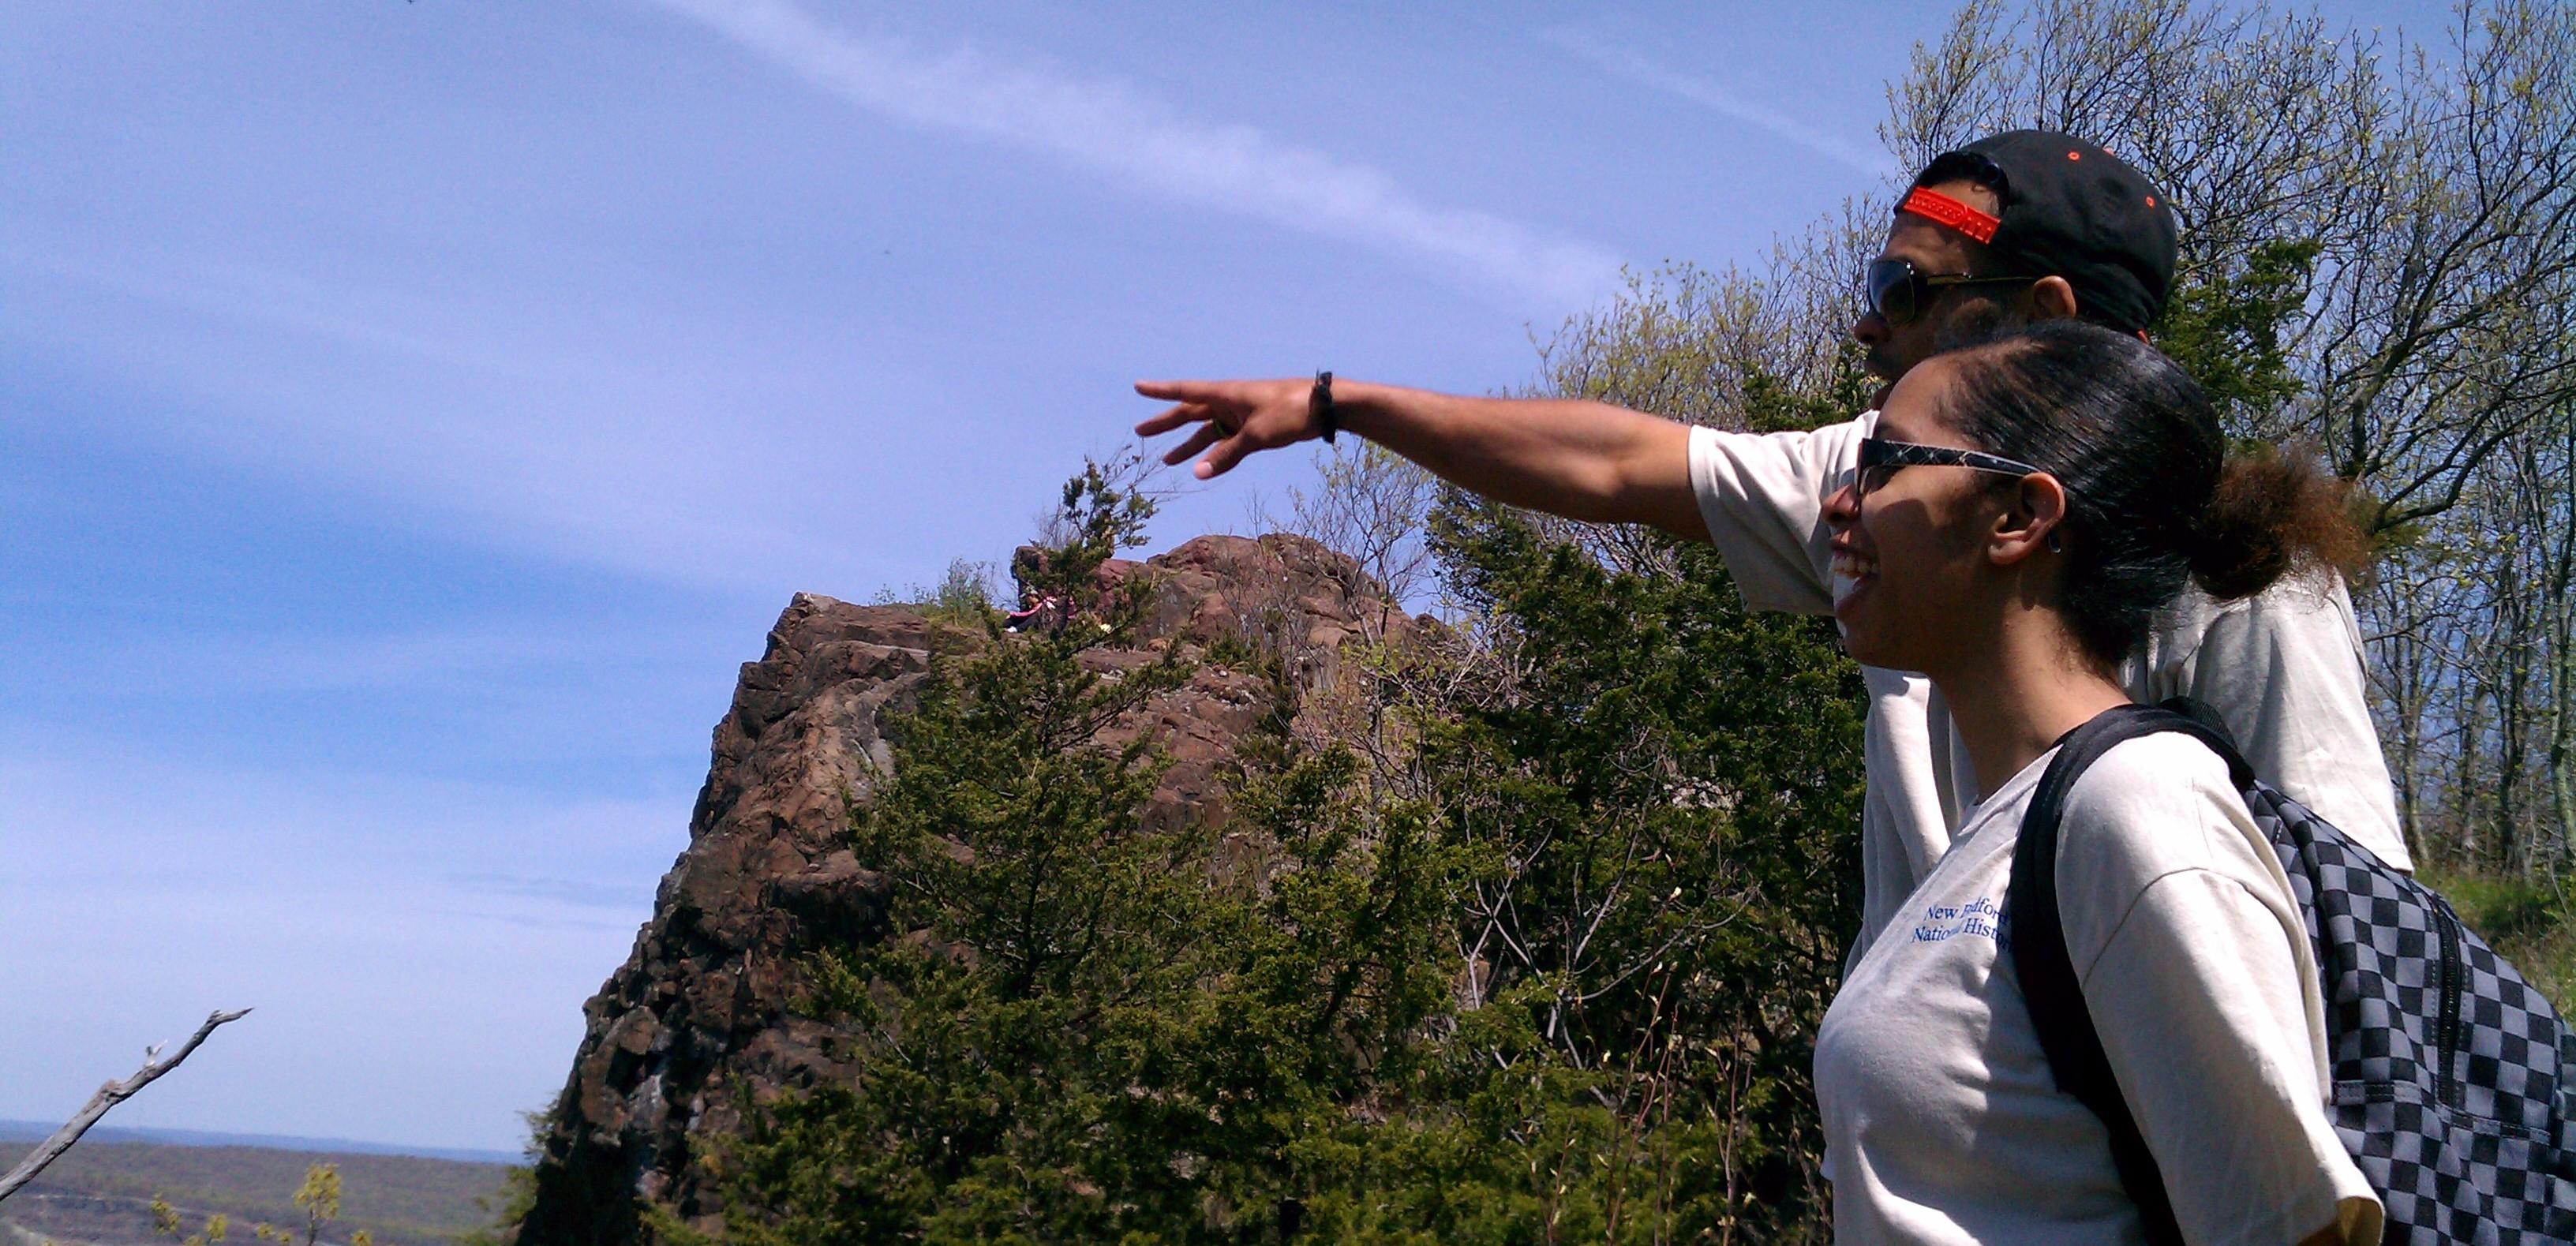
(2454, 1081)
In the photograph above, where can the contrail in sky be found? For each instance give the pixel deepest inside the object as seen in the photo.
(1628, 64)
(1112, 129)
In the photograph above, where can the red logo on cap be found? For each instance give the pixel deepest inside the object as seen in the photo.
(2075, 155)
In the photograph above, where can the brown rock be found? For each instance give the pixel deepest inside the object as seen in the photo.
(700, 1011)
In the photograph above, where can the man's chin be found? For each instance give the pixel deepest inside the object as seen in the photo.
(1886, 375)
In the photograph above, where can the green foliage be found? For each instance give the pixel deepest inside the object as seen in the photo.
(1552, 971)
(2529, 921)
(1158, 1106)
(1661, 795)
(963, 596)
(317, 1200)
(2225, 323)
(502, 1210)
(1021, 1048)
(1098, 515)
(1771, 405)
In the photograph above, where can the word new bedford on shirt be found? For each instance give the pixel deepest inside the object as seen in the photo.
(1981, 917)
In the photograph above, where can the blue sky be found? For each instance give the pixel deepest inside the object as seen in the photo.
(411, 414)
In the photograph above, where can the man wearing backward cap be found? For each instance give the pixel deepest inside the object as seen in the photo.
(2010, 229)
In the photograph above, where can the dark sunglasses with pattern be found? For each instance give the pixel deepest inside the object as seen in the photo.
(1880, 459)
(1898, 293)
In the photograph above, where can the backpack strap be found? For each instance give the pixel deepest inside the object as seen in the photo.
(2048, 983)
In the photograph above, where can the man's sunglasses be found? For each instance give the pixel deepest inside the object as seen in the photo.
(1879, 459)
(1898, 293)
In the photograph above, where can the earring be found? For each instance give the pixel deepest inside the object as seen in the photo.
(2053, 546)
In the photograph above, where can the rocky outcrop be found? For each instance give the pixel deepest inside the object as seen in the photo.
(700, 1015)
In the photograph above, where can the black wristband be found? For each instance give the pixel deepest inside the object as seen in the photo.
(1319, 404)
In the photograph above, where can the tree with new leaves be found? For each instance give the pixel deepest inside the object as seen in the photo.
(318, 1198)
(2377, 264)
(2378, 259)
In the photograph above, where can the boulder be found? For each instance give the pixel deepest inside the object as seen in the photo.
(701, 1014)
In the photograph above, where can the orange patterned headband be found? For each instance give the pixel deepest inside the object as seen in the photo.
(1945, 210)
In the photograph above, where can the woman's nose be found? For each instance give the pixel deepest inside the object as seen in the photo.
(1842, 506)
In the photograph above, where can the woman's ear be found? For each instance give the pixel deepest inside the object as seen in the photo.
(2030, 523)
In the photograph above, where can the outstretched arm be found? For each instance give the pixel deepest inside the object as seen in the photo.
(1583, 460)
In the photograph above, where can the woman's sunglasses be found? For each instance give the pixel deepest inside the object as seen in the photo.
(1880, 458)
(1898, 293)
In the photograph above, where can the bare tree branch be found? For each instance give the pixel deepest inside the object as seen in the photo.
(108, 1096)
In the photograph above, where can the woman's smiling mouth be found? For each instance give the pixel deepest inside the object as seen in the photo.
(1852, 577)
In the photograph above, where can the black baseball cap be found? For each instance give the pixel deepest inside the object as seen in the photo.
(2072, 210)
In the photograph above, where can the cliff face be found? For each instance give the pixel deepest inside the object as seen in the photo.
(700, 1015)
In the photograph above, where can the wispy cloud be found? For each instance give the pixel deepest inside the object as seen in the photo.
(1113, 130)
(1636, 67)
(511, 418)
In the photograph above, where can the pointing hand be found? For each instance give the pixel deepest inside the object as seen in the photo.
(1235, 417)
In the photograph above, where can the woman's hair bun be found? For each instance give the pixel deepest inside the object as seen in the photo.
(2154, 501)
(2273, 513)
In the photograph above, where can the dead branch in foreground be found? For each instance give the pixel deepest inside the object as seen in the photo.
(109, 1096)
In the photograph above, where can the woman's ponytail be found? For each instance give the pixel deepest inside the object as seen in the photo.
(2272, 513)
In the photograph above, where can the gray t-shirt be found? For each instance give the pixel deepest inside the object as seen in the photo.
(2283, 667)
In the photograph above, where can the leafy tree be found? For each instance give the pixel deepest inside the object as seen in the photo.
(318, 1198)
(2378, 258)
(1656, 793)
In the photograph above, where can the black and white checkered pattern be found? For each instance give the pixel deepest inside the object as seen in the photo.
(2454, 1081)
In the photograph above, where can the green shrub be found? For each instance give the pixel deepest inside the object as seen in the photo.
(1550, 968)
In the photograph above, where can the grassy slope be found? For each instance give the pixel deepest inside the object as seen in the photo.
(2527, 922)
(400, 1199)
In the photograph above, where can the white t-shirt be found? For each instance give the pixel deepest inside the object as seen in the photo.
(1943, 1122)
(2283, 668)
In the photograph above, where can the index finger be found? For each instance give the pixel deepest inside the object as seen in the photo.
(1171, 418)
(1181, 391)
